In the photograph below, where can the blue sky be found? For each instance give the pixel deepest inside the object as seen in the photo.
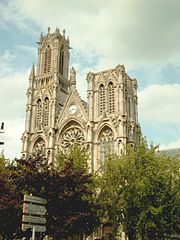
(142, 35)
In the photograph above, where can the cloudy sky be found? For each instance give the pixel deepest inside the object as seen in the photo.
(141, 34)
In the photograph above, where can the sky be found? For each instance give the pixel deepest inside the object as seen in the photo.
(141, 34)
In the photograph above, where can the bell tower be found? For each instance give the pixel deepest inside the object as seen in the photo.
(46, 94)
(53, 54)
(113, 115)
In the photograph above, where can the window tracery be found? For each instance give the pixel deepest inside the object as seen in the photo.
(46, 112)
(47, 62)
(111, 104)
(101, 99)
(106, 143)
(39, 114)
(73, 136)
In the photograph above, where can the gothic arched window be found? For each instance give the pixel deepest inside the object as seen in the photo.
(111, 97)
(47, 61)
(46, 112)
(106, 143)
(101, 99)
(38, 114)
(61, 61)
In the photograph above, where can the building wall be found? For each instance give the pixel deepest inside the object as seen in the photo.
(57, 118)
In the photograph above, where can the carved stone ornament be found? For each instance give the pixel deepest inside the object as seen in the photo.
(106, 135)
(39, 147)
(73, 136)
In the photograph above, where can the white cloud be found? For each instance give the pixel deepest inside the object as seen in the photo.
(139, 34)
(134, 32)
(28, 49)
(171, 145)
(12, 94)
(142, 35)
(12, 137)
(11, 12)
(5, 60)
(160, 103)
(13, 87)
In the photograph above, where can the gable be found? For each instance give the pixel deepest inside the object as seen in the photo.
(74, 108)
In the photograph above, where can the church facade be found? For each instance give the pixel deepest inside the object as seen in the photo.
(57, 118)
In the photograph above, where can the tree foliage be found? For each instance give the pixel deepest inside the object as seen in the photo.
(140, 192)
(8, 203)
(71, 207)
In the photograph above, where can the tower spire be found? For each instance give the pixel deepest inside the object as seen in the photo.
(32, 74)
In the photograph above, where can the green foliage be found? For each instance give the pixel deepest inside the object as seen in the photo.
(2, 164)
(140, 192)
(79, 157)
(68, 187)
(9, 209)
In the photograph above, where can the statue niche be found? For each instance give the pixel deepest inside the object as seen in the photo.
(39, 147)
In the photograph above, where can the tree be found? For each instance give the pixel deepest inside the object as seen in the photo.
(68, 188)
(77, 209)
(8, 203)
(140, 192)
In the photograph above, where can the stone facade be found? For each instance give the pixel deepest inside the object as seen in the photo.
(57, 118)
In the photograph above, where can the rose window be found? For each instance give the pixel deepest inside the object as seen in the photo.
(71, 137)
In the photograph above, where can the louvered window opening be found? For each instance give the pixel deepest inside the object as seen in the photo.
(47, 64)
(39, 113)
(46, 113)
(101, 99)
(61, 61)
(111, 98)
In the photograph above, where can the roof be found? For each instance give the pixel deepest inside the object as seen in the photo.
(169, 152)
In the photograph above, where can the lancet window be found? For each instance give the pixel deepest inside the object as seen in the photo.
(129, 106)
(111, 104)
(106, 144)
(39, 114)
(101, 99)
(46, 112)
(61, 61)
(47, 62)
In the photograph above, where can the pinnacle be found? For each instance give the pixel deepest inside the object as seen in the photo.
(72, 80)
(32, 74)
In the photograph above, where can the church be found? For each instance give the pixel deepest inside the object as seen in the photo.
(56, 116)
